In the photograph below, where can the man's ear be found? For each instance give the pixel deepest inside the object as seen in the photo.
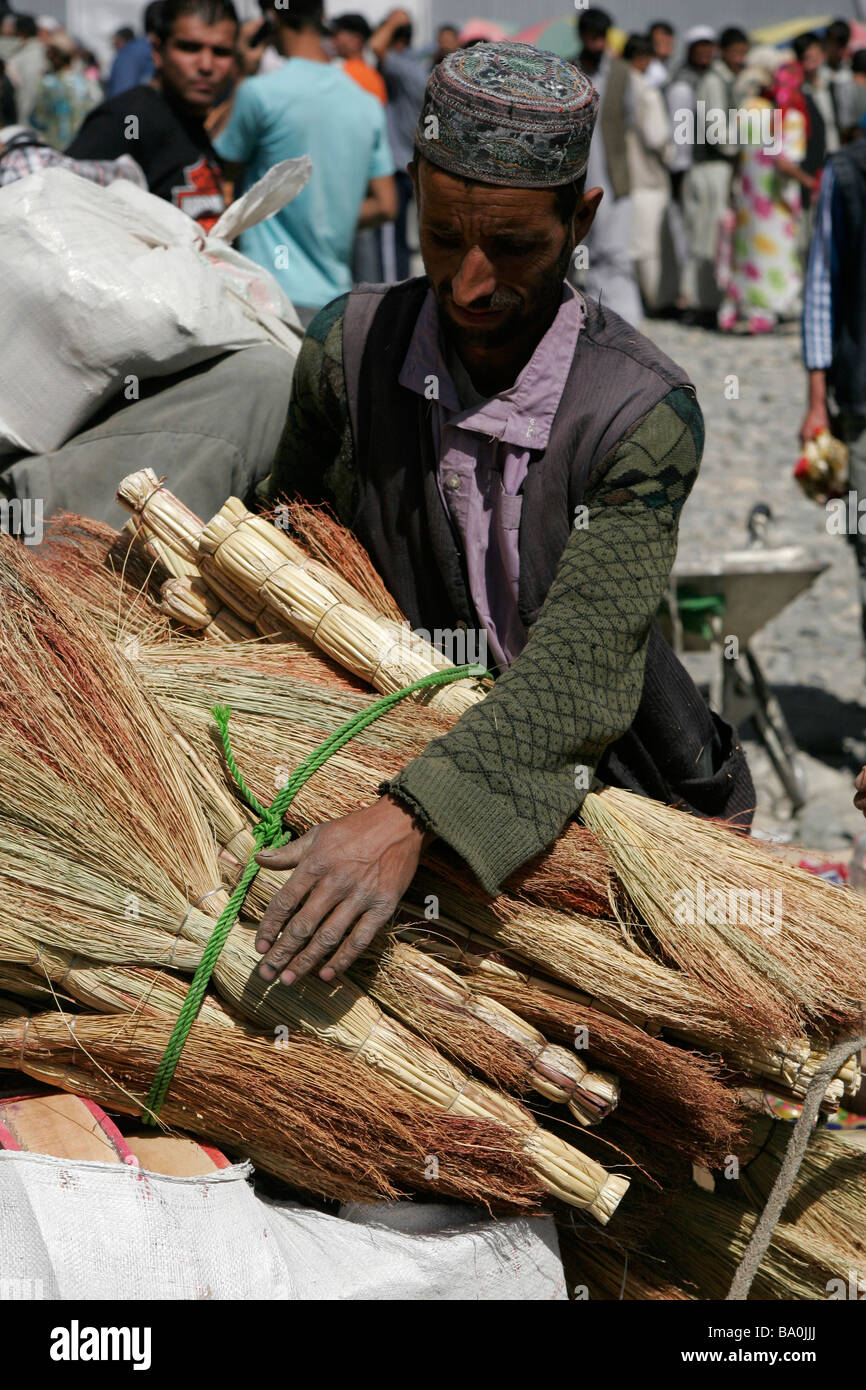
(585, 214)
(412, 171)
(156, 52)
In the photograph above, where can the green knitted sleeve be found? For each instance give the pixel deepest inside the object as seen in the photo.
(315, 455)
(500, 786)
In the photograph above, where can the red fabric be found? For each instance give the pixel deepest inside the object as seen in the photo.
(787, 91)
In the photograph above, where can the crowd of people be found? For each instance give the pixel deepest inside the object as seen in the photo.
(710, 151)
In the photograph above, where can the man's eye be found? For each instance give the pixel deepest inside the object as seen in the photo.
(513, 248)
(445, 238)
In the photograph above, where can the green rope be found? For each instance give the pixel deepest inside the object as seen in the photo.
(268, 834)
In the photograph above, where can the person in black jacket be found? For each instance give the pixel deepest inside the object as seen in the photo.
(162, 124)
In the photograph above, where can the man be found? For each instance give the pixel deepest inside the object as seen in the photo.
(648, 144)
(405, 74)
(309, 106)
(837, 73)
(351, 34)
(8, 104)
(681, 97)
(162, 124)
(27, 65)
(447, 41)
(707, 184)
(834, 322)
(857, 98)
(133, 63)
(514, 458)
(823, 135)
(661, 36)
(609, 271)
(64, 96)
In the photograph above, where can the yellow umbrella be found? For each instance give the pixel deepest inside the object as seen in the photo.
(789, 29)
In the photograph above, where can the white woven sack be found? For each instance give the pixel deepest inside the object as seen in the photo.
(103, 286)
(73, 1230)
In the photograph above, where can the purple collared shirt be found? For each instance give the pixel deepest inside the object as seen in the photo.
(484, 451)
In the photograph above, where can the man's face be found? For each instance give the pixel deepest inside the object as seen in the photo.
(641, 63)
(812, 59)
(448, 42)
(834, 52)
(593, 44)
(663, 44)
(348, 44)
(496, 257)
(701, 54)
(196, 60)
(735, 56)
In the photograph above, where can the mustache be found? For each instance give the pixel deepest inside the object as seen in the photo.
(499, 299)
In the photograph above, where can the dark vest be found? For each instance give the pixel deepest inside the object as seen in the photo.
(848, 372)
(675, 751)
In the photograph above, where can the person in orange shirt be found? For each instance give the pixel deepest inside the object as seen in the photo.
(351, 32)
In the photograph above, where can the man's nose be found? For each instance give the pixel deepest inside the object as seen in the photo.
(205, 61)
(476, 279)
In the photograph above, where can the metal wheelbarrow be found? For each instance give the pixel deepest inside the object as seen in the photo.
(718, 607)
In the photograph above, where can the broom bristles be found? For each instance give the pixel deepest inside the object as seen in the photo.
(299, 1104)
(781, 945)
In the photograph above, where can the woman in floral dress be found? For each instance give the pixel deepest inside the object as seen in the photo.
(765, 280)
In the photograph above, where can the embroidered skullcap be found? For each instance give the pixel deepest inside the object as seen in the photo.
(508, 114)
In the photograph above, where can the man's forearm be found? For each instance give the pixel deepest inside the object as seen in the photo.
(818, 389)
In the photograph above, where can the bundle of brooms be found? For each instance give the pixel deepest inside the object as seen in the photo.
(781, 979)
(87, 751)
(716, 1015)
(543, 884)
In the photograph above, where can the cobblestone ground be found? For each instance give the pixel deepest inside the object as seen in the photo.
(812, 653)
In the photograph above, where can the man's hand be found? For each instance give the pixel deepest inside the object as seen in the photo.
(860, 784)
(815, 420)
(349, 876)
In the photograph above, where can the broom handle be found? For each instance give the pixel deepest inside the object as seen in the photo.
(787, 1175)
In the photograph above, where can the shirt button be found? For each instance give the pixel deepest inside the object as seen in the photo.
(453, 481)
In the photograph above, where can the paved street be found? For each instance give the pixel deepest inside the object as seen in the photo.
(812, 653)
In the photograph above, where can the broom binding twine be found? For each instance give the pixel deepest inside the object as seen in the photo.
(267, 833)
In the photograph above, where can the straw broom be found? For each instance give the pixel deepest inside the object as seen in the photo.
(479, 1032)
(253, 555)
(297, 1110)
(169, 529)
(335, 547)
(575, 873)
(160, 514)
(471, 1149)
(811, 966)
